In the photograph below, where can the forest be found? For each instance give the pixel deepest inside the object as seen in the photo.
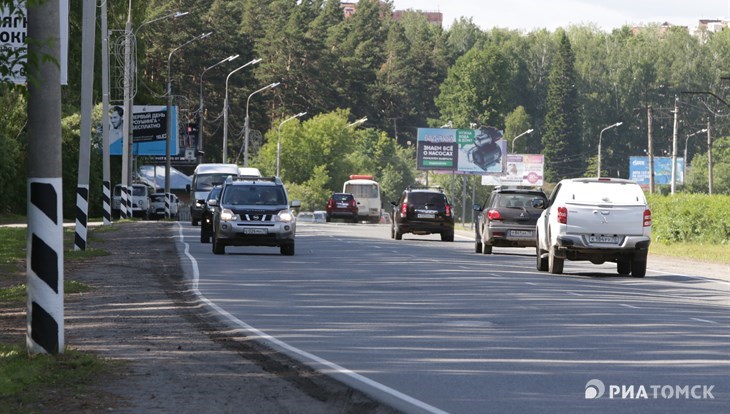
(567, 85)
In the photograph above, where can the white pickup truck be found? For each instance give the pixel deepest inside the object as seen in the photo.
(598, 220)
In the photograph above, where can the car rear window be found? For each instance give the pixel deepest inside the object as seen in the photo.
(515, 200)
(342, 197)
(435, 199)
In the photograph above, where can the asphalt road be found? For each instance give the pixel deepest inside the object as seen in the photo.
(429, 326)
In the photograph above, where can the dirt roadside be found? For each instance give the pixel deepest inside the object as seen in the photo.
(175, 358)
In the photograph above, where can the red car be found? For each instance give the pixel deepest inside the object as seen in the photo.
(343, 206)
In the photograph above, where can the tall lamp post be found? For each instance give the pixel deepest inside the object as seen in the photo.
(202, 106)
(600, 137)
(529, 131)
(358, 122)
(246, 128)
(686, 140)
(278, 141)
(168, 139)
(225, 109)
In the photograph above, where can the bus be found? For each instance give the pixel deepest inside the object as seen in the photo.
(367, 195)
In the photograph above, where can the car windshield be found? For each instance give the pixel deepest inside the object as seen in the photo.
(157, 198)
(207, 181)
(254, 195)
(139, 191)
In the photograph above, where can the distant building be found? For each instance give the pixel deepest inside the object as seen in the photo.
(433, 17)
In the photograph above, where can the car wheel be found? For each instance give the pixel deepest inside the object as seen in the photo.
(204, 237)
(328, 219)
(487, 249)
(287, 249)
(218, 247)
(354, 220)
(623, 266)
(477, 246)
(194, 222)
(398, 235)
(447, 237)
(638, 268)
(555, 264)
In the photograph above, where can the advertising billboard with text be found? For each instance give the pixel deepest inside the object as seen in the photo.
(462, 151)
(149, 129)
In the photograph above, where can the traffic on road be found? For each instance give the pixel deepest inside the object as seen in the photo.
(427, 326)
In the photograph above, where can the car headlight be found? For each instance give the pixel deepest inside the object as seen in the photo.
(285, 216)
(228, 215)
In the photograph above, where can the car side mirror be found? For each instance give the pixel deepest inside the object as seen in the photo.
(476, 207)
(296, 204)
(212, 202)
(538, 203)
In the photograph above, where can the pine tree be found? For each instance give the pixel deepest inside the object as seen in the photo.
(561, 140)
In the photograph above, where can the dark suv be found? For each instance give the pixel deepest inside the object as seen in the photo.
(253, 212)
(206, 217)
(342, 205)
(507, 219)
(422, 211)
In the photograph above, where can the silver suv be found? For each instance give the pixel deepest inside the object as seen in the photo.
(254, 212)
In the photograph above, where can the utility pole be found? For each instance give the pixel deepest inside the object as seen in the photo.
(674, 144)
(44, 257)
(650, 148)
(106, 173)
(88, 29)
(127, 121)
(709, 158)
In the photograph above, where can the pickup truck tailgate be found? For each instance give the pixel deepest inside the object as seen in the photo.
(605, 219)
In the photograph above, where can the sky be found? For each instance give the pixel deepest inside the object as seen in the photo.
(528, 15)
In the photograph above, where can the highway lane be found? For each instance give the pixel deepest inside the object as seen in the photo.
(434, 326)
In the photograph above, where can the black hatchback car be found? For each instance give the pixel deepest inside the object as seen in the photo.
(507, 219)
(422, 211)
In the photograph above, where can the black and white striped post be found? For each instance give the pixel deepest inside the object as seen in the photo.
(107, 202)
(44, 257)
(88, 31)
(124, 201)
(106, 169)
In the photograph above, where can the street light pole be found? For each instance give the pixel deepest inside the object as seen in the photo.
(278, 141)
(202, 106)
(358, 122)
(515, 138)
(686, 141)
(246, 128)
(600, 137)
(168, 139)
(225, 110)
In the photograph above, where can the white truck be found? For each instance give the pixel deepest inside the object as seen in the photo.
(207, 175)
(595, 219)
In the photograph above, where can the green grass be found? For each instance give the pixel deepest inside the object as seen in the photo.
(29, 383)
(716, 253)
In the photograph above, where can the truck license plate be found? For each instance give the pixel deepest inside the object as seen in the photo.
(520, 233)
(603, 239)
(254, 231)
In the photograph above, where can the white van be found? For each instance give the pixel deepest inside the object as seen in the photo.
(204, 178)
(139, 197)
(249, 172)
(367, 194)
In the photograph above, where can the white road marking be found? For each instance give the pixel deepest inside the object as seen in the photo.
(306, 355)
(629, 306)
(574, 294)
(704, 321)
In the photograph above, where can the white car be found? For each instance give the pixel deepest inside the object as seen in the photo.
(157, 205)
(595, 219)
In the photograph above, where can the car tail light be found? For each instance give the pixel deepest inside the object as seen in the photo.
(647, 218)
(563, 215)
(353, 203)
(494, 215)
(448, 210)
(331, 203)
(403, 209)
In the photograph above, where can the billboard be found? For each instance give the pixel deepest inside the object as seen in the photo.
(13, 33)
(525, 170)
(464, 151)
(149, 130)
(639, 170)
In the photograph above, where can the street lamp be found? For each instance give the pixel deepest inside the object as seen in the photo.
(686, 140)
(202, 106)
(225, 110)
(278, 141)
(600, 137)
(246, 128)
(168, 138)
(515, 138)
(358, 122)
